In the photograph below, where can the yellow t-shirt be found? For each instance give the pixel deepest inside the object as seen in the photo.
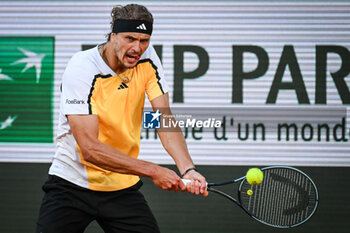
(89, 86)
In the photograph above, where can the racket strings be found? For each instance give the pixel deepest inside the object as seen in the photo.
(284, 198)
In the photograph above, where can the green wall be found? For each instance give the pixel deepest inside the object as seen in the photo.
(20, 198)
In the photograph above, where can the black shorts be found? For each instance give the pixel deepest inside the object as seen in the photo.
(68, 208)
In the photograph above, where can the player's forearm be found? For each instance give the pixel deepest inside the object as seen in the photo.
(106, 157)
(175, 144)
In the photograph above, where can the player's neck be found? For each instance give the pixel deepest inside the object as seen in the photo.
(110, 58)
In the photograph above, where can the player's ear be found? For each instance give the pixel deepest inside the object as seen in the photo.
(113, 37)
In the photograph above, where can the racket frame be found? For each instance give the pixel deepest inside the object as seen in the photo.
(238, 200)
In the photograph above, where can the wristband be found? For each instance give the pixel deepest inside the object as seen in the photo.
(188, 170)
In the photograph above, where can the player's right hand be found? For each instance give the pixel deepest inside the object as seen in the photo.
(167, 179)
(198, 184)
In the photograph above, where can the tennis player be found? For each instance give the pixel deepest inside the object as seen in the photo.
(95, 171)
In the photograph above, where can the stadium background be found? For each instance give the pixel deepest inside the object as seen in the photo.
(198, 43)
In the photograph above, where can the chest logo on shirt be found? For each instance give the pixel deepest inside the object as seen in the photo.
(123, 86)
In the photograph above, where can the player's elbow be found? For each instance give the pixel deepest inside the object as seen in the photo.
(89, 151)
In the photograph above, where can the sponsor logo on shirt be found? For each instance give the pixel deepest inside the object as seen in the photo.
(75, 101)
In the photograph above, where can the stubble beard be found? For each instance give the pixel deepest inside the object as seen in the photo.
(119, 60)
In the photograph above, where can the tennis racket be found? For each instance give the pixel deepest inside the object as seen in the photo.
(285, 198)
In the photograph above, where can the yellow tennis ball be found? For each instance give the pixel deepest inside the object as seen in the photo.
(250, 192)
(254, 176)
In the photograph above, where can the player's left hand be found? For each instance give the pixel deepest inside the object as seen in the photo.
(198, 184)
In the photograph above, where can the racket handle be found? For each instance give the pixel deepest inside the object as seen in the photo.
(187, 181)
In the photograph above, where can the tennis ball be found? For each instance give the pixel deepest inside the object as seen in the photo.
(250, 192)
(254, 176)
